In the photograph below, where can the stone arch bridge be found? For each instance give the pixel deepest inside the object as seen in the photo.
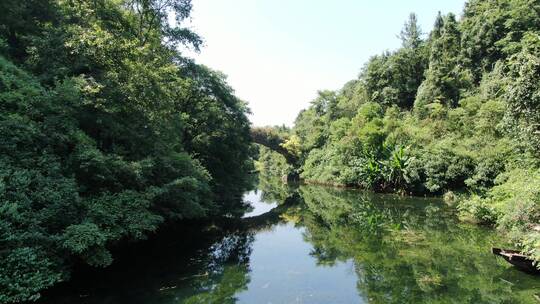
(272, 140)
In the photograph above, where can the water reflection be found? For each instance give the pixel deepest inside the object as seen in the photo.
(258, 206)
(226, 273)
(319, 245)
(410, 250)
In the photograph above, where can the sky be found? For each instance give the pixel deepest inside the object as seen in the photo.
(278, 53)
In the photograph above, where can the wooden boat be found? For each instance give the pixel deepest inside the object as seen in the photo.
(517, 259)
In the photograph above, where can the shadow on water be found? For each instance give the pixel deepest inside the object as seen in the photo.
(313, 245)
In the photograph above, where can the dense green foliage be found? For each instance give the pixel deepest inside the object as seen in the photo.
(106, 133)
(455, 110)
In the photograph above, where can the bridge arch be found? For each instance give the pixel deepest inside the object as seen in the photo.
(273, 141)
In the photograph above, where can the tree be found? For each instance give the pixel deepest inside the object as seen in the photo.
(444, 77)
(437, 27)
(152, 17)
(393, 78)
(492, 30)
(106, 134)
(411, 34)
(523, 89)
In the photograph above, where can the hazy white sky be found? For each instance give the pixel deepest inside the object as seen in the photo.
(279, 53)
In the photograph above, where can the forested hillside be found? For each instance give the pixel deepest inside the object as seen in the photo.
(455, 111)
(107, 132)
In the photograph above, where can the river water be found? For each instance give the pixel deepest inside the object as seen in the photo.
(317, 245)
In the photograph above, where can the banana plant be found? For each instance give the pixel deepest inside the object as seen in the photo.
(395, 166)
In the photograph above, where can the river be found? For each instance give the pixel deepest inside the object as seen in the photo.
(313, 244)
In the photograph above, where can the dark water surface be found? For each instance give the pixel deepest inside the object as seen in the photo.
(316, 245)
